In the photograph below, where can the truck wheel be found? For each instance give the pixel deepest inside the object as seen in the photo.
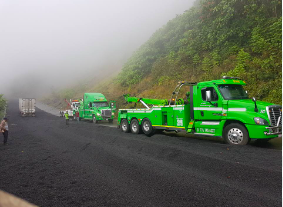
(135, 126)
(94, 120)
(125, 127)
(236, 134)
(147, 127)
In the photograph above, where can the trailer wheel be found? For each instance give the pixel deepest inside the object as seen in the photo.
(110, 120)
(125, 127)
(94, 119)
(135, 126)
(147, 127)
(236, 134)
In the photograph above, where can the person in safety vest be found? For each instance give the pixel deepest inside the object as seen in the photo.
(67, 117)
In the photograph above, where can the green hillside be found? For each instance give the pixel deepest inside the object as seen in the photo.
(220, 37)
(239, 38)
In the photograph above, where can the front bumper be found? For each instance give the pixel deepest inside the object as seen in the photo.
(261, 131)
(273, 130)
(103, 118)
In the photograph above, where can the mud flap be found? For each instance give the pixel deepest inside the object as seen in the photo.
(190, 127)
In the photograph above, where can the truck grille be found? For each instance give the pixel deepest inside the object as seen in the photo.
(274, 113)
(106, 113)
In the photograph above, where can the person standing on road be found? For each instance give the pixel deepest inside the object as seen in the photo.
(78, 116)
(4, 129)
(67, 117)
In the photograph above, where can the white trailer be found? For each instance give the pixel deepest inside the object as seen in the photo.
(27, 106)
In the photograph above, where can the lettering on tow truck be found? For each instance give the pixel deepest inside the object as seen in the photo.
(209, 130)
(179, 121)
(206, 130)
(217, 114)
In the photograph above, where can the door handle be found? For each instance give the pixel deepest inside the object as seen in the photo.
(202, 113)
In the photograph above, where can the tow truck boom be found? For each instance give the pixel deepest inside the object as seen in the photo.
(161, 102)
(145, 101)
(68, 104)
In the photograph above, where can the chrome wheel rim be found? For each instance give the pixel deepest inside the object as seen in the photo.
(124, 126)
(146, 126)
(134, 127)
(235, 136)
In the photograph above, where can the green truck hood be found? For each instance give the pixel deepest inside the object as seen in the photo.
(248, 104)
(245, 110)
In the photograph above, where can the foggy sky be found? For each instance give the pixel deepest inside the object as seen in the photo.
(50, 43)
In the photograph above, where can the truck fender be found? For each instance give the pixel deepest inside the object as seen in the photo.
(139, 120)
(233, 121)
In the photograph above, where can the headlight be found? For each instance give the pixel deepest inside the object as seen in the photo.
(98, 114)
(112, 114)
(260, 121)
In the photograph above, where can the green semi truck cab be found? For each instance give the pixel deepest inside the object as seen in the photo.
(219, 108)
(95, 107)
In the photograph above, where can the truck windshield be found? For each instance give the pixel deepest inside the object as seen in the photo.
(100, 104)
(233, 92)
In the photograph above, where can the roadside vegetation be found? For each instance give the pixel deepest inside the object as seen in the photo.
(3, 104)
(214, 38)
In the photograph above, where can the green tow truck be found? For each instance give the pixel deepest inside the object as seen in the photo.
(219, 108)
(95, 107)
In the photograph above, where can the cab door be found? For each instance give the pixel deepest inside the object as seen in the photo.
(87, 110)
(208, 109)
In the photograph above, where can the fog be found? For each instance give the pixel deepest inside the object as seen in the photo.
(51, 43)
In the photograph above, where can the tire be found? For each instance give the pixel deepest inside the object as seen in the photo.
(125, 127)
(236, 134)
(135, 126)
(147, 127)
(110, 120)
(94, 119)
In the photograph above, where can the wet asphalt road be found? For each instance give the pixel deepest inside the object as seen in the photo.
(83, 164)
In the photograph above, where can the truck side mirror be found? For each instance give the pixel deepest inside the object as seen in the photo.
(112, 105)
(208, 96)
(254, 100)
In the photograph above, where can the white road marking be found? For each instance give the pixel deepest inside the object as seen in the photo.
(113, 126)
